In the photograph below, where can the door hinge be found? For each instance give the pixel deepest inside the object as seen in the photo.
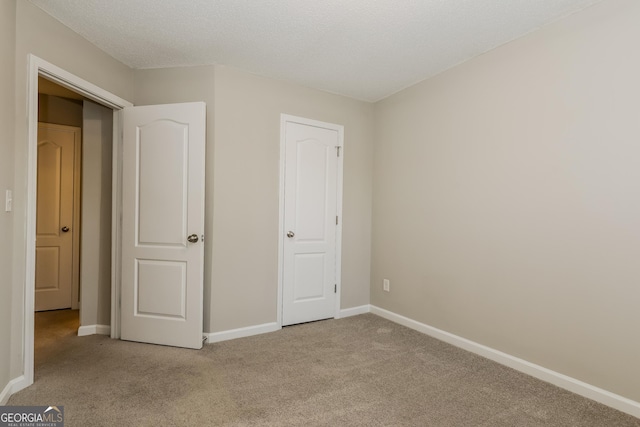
(338, 147)
(336, 219)
(335, 289)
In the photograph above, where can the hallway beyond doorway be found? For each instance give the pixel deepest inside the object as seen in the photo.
(51, 329)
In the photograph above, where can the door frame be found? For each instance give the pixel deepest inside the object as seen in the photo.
(39, 67)
(284, 119)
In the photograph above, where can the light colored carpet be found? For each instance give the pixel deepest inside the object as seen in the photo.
(358, 371)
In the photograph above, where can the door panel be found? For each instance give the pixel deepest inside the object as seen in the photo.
(161, 289)
(310, 211)
(54, 275)
(309, 277)
(48, 268)
(312, 168)
(168, 172)
(163, 203)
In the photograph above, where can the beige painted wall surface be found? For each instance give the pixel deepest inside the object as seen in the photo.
(243, 137)
(507, 198)
(95, 256)
(39, 34)
(246, 173)
(61, 111)
(7, 117)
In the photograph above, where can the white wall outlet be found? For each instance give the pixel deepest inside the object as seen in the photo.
(8, 201)
(385, 285)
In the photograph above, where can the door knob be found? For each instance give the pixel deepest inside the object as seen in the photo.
(193, 238)
(65, 229)
(290, 234)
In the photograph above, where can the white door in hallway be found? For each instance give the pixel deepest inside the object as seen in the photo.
(311, 214)
(55, 226)
(163, 224)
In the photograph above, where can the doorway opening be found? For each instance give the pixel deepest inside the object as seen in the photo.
(73, 216)
(39, 68)
(52, 329)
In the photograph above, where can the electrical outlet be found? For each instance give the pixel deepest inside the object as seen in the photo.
(385, 285)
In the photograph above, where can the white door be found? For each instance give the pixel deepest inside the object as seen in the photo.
(311, 214)
(163, 224)
(55, 225)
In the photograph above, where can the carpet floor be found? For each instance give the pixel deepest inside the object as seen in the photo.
(357, 371)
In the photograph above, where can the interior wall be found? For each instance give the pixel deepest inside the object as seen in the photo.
(39, 34)
(506, 198)
(7, 117)
(60, 111)
(95, 256)
(246, 191)
(242, 166)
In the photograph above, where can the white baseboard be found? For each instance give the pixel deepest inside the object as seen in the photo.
(93, 330)
(605, 397)
(272, 327)
(242, 332)
(14, 386)
(354, 311)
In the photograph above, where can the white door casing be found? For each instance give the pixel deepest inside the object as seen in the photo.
(39, 67)
(311, 209)
(57, 222)
(163, 204)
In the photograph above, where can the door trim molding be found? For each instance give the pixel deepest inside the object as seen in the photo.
(284, 119)
(39, 67)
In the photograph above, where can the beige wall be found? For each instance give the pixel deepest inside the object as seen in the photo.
(95, 256)
(243, 140)
(506, 198)
(39, 34)
(58, 110)
(7, 92)
(245, 207)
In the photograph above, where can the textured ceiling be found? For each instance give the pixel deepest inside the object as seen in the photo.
(365, 49)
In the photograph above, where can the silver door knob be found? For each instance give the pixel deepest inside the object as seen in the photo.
(192, 238)
(65, 229)
(290, 234)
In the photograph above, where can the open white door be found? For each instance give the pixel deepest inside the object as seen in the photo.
(311, 214)
(163, 224)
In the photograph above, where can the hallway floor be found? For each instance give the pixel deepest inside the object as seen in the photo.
(51, 327)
